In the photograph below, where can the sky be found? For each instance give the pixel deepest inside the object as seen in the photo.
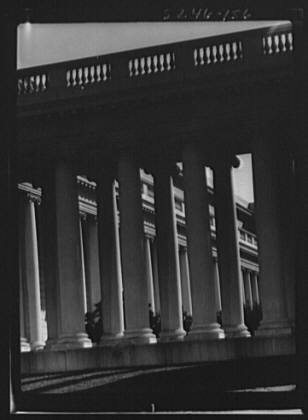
(40, 44)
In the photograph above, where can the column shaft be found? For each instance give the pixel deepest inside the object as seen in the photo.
(199, 247)
(155, 276)
(91, 256)
(65, 302)
(185, 281)
(132, 253)
(149, 274)
(228, 252)
(247, 288)
(270, 238)
(110, 261)
(31, 271)
(168, 259)
(255, 288)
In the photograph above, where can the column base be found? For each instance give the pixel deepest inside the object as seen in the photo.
(37, 345)
(67, 342)
(141, 336)
(111, 339)
(172, 335)
(274, 328)
(24, 345)
(206, 332)
(236, 331)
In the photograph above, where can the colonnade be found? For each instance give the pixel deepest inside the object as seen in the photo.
(109, 257)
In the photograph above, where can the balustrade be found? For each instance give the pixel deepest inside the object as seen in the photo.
(178, 60)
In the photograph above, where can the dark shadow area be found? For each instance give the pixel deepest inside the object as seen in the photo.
(194, 387)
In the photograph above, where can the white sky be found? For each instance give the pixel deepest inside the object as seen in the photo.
(40, 44)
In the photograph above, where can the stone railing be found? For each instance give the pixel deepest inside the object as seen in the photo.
(161, 64)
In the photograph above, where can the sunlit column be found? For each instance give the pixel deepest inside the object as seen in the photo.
(199, 246)
(270, 238)
(217, 286)
(149, 274)
(132, 253)
(255, 288)
(64, 287)
(155, 275)
(228, 251)
(185, 280)
(91, 260)
(247, 288)
(31, 271)
(109, 260)
(168, 258)
(84, 290)
(24, 343)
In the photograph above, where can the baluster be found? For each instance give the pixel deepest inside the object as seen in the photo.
(270, 45)
(74, 74)
(195, 55)
(290, 41)
(161, 63)
(26, 85)
(155, 63)
(68, 78)
(168, 61)
(38, 83)
(276, 44)
(142, 64)
(264, 45)
(136, 67)
(215, 51)
(240, 50)
(19, 87)
(211, 57)
(208, 55)
(98, 73)
(108, 71)
(80, 76)
(173, 61)
(234, 51)
(91, 74)
(283, 40)
(219, 54)
(149, 64)
(32, 84)
(227, 51)
(201, 56)
(130, 68)
(86, 75)
(44, 82)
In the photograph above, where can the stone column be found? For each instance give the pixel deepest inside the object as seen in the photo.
(91, 257)
(247, 288)
(255, 288)
(199, 247)
(64, 289)
(270, 238)
(228, 251)
(132, 253)
(149, 274)
(168, 258)
(24, 343)
(185, 280)
(109, 260)
(155, 276)
(84, 289)
(217, 287)
(30, 267)
(24, 333)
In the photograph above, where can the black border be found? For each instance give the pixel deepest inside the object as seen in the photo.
(128, 10)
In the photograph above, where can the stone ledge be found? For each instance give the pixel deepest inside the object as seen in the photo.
(162, 354)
